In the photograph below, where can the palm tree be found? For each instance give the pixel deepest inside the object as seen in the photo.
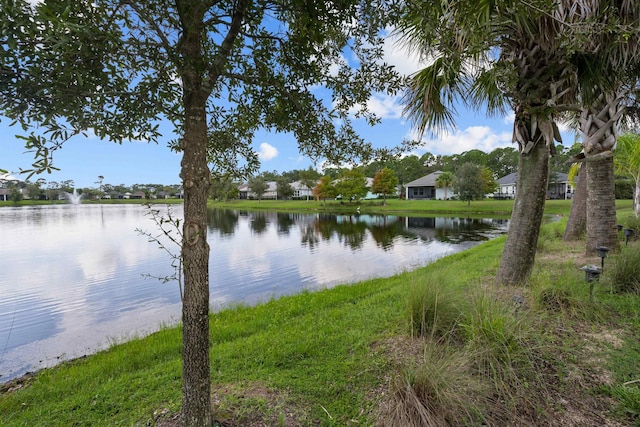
(627, 161)
(444, 180)
(496, 55)
(609, 66)
(599, 125)
(577, 222)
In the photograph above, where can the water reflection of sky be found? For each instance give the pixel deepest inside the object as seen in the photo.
(72, 276)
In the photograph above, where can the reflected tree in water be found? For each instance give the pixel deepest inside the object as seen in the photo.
(223, 221)
(285, 221)
(258, 222)
(351, 230)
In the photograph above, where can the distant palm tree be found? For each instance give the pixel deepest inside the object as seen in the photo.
(445, 180)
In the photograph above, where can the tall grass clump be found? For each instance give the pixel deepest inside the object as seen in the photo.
(437, 392)
(622, 274)
(633, 222)
(563, 290)
(435, 308)
(496, 338)
(551, 233)
(628, 397)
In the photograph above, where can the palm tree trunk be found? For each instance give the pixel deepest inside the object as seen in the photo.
(519, 250)
(599, 125)
(601, 206)
(577, 222)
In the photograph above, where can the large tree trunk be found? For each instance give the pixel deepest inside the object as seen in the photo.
(519, 251)
(577, 222)
(601, 206)
(599, 125)
(196, 382)
(543, 84)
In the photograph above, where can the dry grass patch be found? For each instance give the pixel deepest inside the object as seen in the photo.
(250, 405)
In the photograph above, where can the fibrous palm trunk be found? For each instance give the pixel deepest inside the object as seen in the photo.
(577, 222)
(519, 250)
(599, 124)
(544, 80)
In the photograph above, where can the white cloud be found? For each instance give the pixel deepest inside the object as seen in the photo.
(398, 55)
(386, 107)
(383, 106)
(267, 152)
(509, 119)
(474, 137)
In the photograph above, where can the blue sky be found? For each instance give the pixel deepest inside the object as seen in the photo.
(84, 159)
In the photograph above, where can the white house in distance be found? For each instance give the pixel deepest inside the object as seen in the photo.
(425, 188)
(559, 186)
(299, 191)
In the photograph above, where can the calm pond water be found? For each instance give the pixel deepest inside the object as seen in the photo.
(75, 278)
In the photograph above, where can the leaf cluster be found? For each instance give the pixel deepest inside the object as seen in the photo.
(545, 57)
(119, 68)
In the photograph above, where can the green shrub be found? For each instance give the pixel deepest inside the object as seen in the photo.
(633, 222)
(624, 188)
(622, 274)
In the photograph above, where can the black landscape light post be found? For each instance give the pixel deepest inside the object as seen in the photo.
(592, 275)
(628, 232)
(602, 253)
(620, 227)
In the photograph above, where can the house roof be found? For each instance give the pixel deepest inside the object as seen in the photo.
(512, 178)
(298, 185)
(425, 181)
(271, 186)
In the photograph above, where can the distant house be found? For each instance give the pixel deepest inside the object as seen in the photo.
(116, 195)
(300, 191)
(425, 188)
(4, 194)
(506, 187)
(271, 193)
(558, 188)
(137, 195)
(243, 190)
(370, 195)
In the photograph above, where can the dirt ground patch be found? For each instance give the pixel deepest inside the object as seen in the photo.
(250, 405)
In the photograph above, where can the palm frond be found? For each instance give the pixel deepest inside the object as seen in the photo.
(487, 91)
(432, 94)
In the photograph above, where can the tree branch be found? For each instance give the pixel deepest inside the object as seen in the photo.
(217, 67)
